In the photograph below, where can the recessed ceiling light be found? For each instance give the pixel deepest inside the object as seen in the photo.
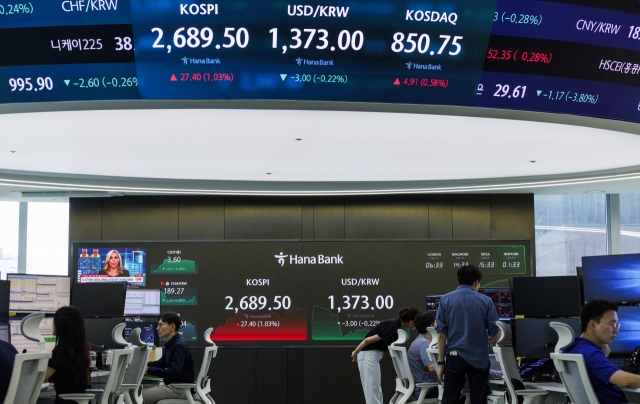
(268, 173)
(532, 161)
(594, 192)
(298, 139)
(12, 151)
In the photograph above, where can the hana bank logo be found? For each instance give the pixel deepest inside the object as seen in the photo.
(281, 258)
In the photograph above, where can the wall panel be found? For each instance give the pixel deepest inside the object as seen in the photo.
(201, 218)
(271, 376)
(328, 218)
(471, 216)
(387, 217)
(85, 218)
(440, 219)
(262, 218)
(140, 218)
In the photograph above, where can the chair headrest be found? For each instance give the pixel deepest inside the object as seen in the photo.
(29, 327)
(134, 338)
(565, 335)
(402, 337)
(207, 336)
(116, 335)
(434, 336)
(505, 329)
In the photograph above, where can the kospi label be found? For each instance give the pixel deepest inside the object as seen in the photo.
(198, 9)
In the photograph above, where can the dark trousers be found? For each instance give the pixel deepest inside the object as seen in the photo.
(455, 370)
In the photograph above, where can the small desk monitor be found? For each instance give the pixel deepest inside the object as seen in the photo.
(533, 338)
(21, 343)
(148, 331)
(501, 298)
(612, 277)
(142, 302)
(432, 302)
(628, 337)
(100, 299)
(38, 293)
(548, 296)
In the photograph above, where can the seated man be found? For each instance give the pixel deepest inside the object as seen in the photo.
(599, 325)
(7, 357)
(175, 365)
(421, 366)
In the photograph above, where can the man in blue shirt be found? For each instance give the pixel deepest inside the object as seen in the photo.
(421, 366)
(464, 317)
(599, 325)
(175, 365)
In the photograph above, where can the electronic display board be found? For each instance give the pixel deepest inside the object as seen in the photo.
(308, 292)
(577, 57)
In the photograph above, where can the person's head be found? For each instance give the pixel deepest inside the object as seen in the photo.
(407, 315)
(424, 320)
(168, 325)
(68, 327)
(469, 275)
(113, 261)
(599, 321)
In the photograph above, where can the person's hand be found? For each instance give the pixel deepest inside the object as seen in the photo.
(441, 374)
(354, 356)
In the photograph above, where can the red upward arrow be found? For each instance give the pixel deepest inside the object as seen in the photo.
(173, 78)
(397, 82)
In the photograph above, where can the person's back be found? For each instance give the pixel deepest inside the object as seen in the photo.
(7, 357)
(422, 368)
(464, 317)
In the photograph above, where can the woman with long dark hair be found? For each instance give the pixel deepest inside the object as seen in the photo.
(68, 367)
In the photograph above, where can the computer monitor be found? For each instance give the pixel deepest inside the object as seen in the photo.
(432, 302)
(549, 296)
(22, 344)
(148, 331)
(100, 299)
(5, 334)
(628, 337)
(91, 262)
(98, 332)
(612, 277)
(501, 298)
(533, 338)
(5, 292)
(142, 302)
(38, 293)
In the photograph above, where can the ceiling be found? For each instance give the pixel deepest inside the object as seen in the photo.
(57, 150)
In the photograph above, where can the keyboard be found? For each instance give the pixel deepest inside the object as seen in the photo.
(623, 362)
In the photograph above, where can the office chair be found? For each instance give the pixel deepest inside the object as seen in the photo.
(405, 384)
(112, 392)
(434, 355)
(571, 367)
(28, 368)
(132, 382)
(511, 374)
(203, 383)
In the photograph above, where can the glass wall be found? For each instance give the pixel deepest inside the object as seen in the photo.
(629, 223)
(48, 238)
(9, 225)
(568, 227)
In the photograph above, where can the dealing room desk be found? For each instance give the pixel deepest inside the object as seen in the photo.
(98, 378)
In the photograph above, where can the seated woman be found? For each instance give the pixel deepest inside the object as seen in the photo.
(113, 265)
(68, 367)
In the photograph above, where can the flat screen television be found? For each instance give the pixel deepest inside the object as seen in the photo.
(100, 299)
(612, 277)
(549, 296)
(38, 293)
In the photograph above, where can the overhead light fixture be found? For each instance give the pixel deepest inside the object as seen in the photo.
(66, 194)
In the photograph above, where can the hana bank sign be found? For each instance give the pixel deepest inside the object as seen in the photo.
(309, 260)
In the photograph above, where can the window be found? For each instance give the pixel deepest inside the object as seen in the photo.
(568, 227)
(48, 238)
(9, 224)
(629, 223)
